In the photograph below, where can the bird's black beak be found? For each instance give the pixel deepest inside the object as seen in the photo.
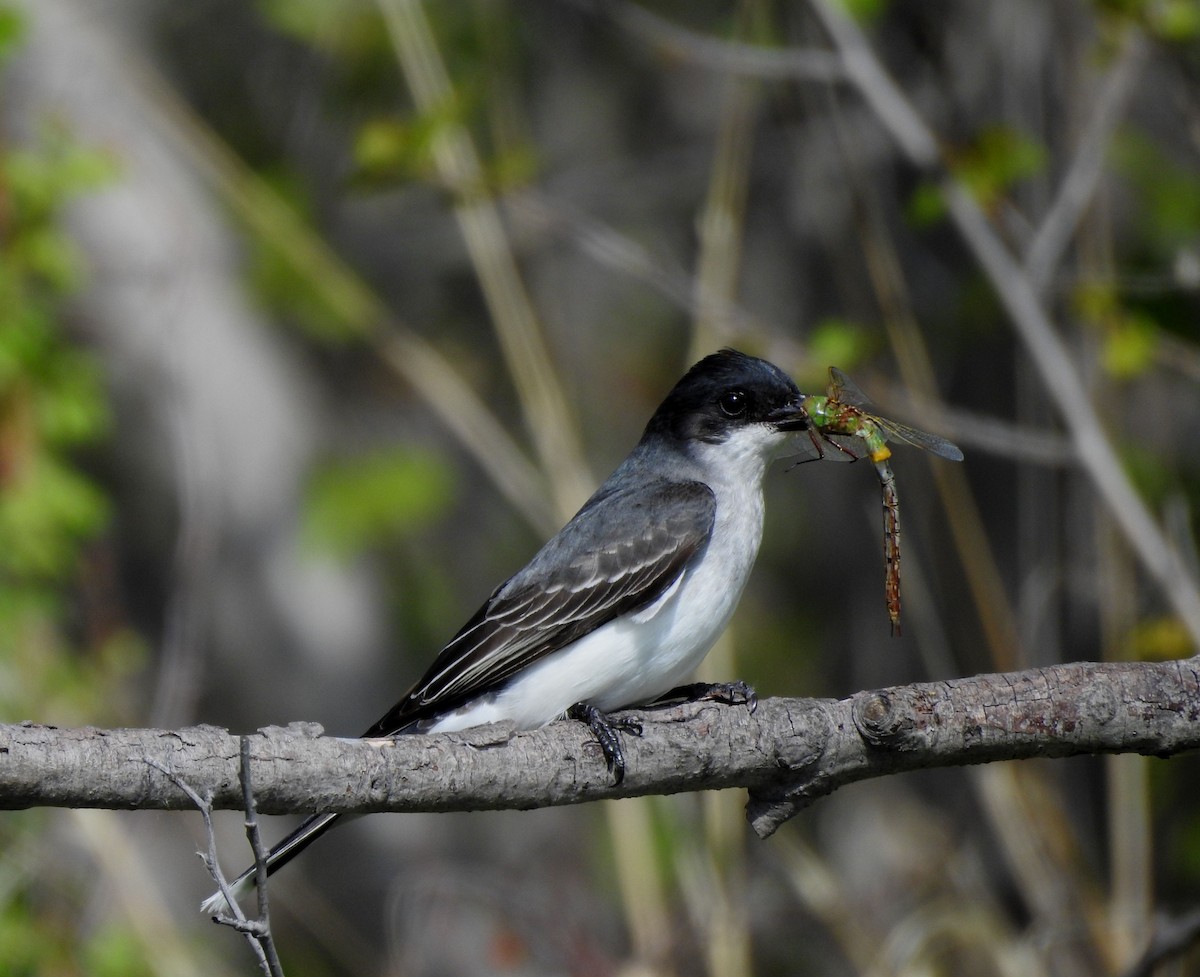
(789, 417)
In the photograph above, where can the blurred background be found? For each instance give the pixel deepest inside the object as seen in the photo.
(316, 319)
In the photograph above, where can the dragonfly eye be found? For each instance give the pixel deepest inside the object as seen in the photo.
(733, 403)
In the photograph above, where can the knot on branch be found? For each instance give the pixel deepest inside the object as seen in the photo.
(890, 721)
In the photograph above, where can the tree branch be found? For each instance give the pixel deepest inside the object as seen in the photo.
(788, 753)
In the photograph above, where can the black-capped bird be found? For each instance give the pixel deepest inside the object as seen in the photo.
(624, 602)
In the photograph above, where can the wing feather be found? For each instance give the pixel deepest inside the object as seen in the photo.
(579, 581)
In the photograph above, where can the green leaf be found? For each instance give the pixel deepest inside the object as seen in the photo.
(384, 146)
(925, 205)
(393, 148)
(1159, 639)
(115, 951)
(1129, 346)
(1177, 20)
(346, 29)
(44, 514)
(1168, 194)
(12, 31)
(353, 505)
(837, 342)
(999, 158)
(863, 11)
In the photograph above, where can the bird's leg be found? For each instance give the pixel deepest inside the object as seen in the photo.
(607, 730)
(730, 693)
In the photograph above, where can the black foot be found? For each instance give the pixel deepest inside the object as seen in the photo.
(729, 693)
(607, 731)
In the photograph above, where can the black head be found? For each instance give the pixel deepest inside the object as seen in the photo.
(726, 392)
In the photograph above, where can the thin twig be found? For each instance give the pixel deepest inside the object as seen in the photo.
(264, 938)
(254, 930)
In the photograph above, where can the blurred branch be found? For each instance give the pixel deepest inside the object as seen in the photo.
(1018, 443)
(720, 223)
(1172, 938)
(359, 309)
(611, 248)
(179, 683)
(342, 293)
(1079, 183)
(789, 753)
(1019, 297)
(130, 872)
(546, 409)
(734, 57)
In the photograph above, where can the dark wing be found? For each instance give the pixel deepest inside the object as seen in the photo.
(580, 580)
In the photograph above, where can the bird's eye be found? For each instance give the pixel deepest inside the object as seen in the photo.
(733, 403)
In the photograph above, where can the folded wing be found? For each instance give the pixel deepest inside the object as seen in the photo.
(580, 580)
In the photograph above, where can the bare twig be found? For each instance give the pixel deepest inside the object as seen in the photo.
(257, 932)
(262, 932)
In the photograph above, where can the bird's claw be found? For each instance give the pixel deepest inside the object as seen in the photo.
(607, 730)
(737, 693)
(728, 693)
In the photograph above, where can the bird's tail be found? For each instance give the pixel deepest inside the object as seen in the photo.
(291, 846)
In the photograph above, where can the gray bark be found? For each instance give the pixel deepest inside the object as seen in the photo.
(788, 753)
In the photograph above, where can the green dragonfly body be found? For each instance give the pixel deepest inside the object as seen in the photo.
(839, 420)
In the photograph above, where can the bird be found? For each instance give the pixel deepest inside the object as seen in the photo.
(623, 603)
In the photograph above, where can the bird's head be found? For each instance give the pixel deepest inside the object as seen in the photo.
(729, 397)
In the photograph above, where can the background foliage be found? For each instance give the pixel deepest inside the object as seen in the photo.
(316, 318)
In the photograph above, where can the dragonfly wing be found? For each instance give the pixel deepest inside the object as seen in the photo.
(920, 439)
(845, 390)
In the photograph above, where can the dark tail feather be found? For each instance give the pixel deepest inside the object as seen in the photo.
(309, 831)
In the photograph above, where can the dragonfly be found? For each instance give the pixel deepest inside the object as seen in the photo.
(839, 419)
